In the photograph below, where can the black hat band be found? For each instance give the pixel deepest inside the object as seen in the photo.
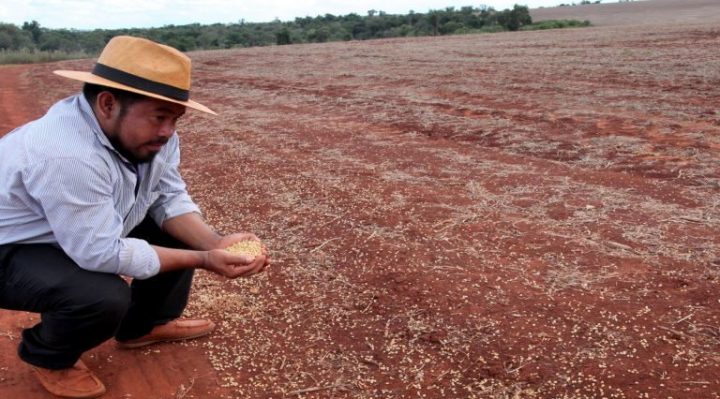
(139, 83)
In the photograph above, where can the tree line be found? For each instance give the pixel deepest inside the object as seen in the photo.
(376, 24)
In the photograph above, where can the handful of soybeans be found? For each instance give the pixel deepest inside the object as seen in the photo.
(246, 247)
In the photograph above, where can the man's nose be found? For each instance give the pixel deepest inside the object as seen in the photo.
(167, 129)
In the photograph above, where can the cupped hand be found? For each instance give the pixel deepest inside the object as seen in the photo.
(231, 239)
(259, 263)
(233, 265)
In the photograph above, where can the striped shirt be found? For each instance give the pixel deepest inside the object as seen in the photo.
(62, 182)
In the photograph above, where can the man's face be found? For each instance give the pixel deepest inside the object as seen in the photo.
(141, 129)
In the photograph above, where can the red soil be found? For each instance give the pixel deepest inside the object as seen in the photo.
(531, 214)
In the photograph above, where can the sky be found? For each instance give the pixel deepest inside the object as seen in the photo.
(113, 14)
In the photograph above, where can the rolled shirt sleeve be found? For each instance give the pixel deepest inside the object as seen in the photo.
(77, 200)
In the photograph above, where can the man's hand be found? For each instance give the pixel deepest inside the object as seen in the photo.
(231, 239)
(232, 265)
(208, 249)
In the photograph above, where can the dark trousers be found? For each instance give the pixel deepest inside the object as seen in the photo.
(80, 309)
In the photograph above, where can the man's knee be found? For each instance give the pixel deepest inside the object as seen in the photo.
(108, 298)
(117, 300)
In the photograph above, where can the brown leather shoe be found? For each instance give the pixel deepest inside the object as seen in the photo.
(75, 382)
(173, 331)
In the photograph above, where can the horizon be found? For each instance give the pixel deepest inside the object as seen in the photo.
(132, 14)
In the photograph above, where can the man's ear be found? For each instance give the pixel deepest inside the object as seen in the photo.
(107, 105)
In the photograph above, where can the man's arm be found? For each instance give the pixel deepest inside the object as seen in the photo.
(179, 217)
(217, 260)
(75, 196)
(191, 229)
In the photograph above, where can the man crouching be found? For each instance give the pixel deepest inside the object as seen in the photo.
(91, 192)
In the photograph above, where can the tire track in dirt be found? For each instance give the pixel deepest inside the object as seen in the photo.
(160, 371)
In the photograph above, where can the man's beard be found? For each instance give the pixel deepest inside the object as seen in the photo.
(126, 152)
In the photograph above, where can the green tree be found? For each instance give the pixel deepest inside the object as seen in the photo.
(434, 19)
(319, 35)
(282, 37)
(516, 18)
(14, 38)
(6, 41)
(34, 29)
(450, 27)
(322, 28)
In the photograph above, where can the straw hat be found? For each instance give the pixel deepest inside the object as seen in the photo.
(144, 67)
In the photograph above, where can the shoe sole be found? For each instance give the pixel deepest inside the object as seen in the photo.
(134, 345)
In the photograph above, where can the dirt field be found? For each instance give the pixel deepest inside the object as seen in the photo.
(635, 12)
(516, 215)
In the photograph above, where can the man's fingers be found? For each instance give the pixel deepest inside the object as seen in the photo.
(258, 264)
(241, 270)
(243, 265)
(240, 259)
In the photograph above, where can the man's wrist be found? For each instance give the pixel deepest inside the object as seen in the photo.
(215, 243)
(204, 259)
